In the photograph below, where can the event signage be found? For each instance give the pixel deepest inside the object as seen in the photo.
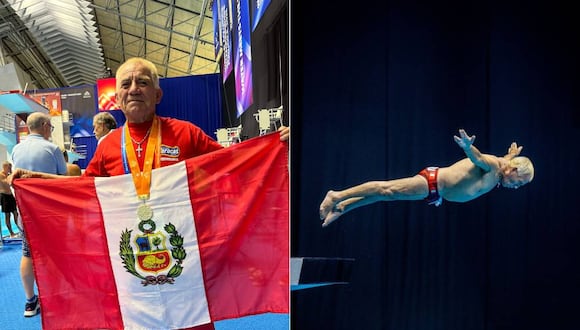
(79, 101)
(49, 100)
(106, 92)
(259, 8)
(216, 28)
(225, 28)
(242, 55)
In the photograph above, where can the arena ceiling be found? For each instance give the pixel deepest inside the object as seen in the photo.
(73, 42)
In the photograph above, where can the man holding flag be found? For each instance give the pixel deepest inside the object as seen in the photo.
(168, 267)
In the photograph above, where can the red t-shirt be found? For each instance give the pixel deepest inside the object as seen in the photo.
(180, 140)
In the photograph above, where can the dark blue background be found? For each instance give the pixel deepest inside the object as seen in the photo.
(379, 88)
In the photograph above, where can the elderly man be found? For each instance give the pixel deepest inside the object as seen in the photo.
(103, 124)
(36, 153)
(463, 181)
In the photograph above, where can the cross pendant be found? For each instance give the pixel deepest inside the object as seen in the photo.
(139, 149)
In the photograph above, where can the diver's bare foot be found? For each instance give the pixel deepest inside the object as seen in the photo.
(327, 204)
(334, 214)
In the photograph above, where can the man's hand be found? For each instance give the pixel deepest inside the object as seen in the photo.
(18, 173)
(464, 141)
(514, 150)
(284, 133)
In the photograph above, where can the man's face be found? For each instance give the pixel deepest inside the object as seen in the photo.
(47, 129)
(136, 93)
(511, 179)
(99, 129)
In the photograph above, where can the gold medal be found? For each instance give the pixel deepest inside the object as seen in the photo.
(144, 212)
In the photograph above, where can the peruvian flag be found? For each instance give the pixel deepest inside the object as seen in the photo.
(214, 247)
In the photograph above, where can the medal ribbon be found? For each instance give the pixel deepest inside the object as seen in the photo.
(142, 179)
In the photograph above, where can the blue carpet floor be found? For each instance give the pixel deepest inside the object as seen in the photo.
(12, 300)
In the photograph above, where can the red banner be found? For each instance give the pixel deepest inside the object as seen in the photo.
(106, 92)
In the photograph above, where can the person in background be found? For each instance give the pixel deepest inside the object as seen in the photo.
(36, 153)
(7, 200)
(71, 169)
(103, 124)
(463, 181)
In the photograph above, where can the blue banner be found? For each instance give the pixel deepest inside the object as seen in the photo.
(242, 55)
(225, 25)
(259, 8)
(216, 28)
(80, 101)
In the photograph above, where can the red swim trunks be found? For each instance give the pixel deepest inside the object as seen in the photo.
(430, 173)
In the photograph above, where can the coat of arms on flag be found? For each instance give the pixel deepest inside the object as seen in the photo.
(149, 252)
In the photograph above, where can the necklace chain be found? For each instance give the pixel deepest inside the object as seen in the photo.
(139, 149)
(142, 140)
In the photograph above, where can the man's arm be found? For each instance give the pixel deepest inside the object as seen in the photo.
(22, 173)
(466, 143)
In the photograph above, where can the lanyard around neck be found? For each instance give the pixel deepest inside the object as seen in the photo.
(142, 178)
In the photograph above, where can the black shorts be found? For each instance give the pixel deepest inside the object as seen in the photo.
(8, 203)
